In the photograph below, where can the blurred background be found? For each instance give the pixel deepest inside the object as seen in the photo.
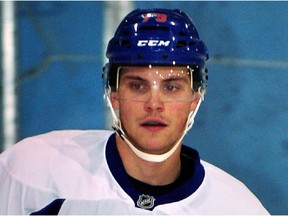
(52, 54)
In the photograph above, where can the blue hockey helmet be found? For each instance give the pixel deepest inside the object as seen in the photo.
(157, 37)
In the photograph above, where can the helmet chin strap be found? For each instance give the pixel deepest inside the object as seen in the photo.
(146, 156)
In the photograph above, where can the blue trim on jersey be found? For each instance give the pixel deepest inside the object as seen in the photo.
(180, 193)
(52, 209)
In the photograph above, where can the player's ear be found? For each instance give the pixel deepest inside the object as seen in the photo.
(114, 100)
(196, 98)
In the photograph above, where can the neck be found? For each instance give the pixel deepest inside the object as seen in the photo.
(153, 173)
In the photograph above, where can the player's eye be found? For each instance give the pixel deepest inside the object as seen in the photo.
(171, 87)
(137, 86)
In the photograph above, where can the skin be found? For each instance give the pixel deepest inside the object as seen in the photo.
(152, 125)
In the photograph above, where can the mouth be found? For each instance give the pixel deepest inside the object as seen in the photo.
(153, 125)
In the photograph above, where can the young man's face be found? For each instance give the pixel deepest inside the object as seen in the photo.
(153, 105)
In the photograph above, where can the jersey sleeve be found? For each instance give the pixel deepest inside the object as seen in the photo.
(18, 173)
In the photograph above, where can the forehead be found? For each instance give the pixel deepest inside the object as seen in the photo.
(155, 72)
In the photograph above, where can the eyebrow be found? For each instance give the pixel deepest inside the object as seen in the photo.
(171, 79)
(133, 77)
(139, 78)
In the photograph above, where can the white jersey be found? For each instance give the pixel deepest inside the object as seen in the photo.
(80, 172)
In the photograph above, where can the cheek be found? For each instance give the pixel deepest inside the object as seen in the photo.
(180, 113)
(182, 109)
(127, 111)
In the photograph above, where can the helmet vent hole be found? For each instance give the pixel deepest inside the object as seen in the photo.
(125, 43)
(154, 28)
(117, 43)
(140, 55)
(181, 44)
(182, 33)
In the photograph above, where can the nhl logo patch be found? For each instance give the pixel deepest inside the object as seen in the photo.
(145, 201)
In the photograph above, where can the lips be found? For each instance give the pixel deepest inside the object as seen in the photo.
(153, 125)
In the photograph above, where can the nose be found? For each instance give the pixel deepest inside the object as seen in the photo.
(154, 102)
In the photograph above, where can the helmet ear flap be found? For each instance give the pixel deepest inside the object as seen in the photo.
(109, 76)
(199, 77)
(105, 72)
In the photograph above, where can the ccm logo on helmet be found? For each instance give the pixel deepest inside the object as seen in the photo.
(142, 43)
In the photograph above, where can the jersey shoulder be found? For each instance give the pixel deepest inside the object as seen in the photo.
(50, 142)
(227, 193)
(43, 154)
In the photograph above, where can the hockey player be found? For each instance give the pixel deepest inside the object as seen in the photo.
(154, 83)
